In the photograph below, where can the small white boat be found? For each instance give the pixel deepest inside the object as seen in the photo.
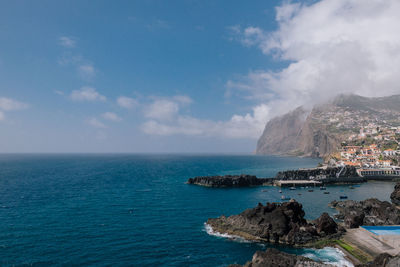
(293, 188)
(280, 191)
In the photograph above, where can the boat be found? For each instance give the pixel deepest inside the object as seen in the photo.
(351, 187)
(293, 188)
(264, 190)
(310, 190)
(285, 198)
(322, 188)
(280, 191)
(299, 194)
(343, 197)
(326, 192)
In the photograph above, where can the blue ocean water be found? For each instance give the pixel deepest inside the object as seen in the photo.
(136, 210)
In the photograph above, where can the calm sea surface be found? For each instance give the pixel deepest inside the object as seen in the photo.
(137, 210)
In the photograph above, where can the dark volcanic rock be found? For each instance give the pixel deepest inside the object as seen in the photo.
(274, 258)
(229, 181)
(275, 223)
(305, 174)
(395, 196)
(367, 212)
(383, 260)
(325, 224)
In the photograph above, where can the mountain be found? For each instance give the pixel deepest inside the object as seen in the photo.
(319, 132)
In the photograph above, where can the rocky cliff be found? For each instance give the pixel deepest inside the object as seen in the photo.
(319, 132)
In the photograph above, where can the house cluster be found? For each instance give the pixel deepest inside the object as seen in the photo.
(377, 132)
(369, 156)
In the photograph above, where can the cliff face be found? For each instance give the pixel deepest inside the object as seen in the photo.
(281, 134)
(319, 132)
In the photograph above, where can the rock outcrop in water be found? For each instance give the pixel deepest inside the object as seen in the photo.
(276, 223)
(273, 258)
(329, 172)
(367, 212)
(229, 181)
(395, 196)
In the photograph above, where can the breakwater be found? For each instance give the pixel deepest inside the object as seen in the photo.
(229, 181)
(330, 173)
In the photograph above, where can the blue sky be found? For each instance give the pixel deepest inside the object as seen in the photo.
(166, 76)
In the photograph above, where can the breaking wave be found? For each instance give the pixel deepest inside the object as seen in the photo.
(328, 255)
(211, 231)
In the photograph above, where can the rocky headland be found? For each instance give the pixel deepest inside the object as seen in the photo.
(273, 258)
(277, 223)
(229, 181)
(320, 131)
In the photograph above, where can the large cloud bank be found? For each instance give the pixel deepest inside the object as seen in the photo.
(332, 47)
(329, 47)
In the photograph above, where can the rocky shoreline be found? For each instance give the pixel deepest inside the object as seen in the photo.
(273, 257)
(369, 212)
(242, 180)
(278, 223)
(284, 223)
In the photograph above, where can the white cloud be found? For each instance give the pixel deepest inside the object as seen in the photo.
(249, 126)
(96, 123)
(126, 102)
(331, 47)
(87, 94)
(8, 104)
(87, 71)
(162, 109)
(111, 116)
(166, 118)
(66, 41)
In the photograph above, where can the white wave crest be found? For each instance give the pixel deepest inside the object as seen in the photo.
(211, 231)
(329, 255)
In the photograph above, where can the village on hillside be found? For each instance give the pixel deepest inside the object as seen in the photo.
(375, 150)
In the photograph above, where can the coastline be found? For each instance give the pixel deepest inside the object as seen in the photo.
(351, 260)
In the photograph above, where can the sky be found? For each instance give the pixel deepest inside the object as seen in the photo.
(182, 76)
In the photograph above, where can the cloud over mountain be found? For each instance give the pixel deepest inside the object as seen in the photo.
(331, 47)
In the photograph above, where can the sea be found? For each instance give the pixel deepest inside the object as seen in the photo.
(137, 210)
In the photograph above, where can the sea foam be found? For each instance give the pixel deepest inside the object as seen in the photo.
(211, 231)
(328, 255)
